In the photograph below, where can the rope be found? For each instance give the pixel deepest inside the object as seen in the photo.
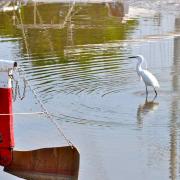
(23, 113)
(46, 112)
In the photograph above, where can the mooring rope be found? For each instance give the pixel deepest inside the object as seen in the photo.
(22, 113)
(45, 111)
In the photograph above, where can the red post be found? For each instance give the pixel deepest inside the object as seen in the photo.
(6, 117)
(6, 126)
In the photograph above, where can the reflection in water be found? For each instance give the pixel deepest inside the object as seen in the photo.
(116, 9)
(143, 110)
(174, 174)
(173, 141)
(75, 53)
(57, 41)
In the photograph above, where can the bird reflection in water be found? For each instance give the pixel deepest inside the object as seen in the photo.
(144, 109)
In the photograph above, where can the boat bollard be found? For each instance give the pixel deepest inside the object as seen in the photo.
(6, 116)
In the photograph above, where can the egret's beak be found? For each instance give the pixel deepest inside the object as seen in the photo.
(132, 57)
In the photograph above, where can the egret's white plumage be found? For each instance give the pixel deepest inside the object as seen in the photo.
(148, 78)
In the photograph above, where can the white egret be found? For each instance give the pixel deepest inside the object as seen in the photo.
(148, 78)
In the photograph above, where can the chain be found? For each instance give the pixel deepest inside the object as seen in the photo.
(16, 89)
(24, 90)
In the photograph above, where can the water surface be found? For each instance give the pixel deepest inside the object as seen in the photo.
(76, 58)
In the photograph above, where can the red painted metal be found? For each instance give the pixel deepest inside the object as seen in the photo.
(6, 126)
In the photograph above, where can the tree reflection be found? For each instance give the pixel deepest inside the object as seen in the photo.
(51, 33)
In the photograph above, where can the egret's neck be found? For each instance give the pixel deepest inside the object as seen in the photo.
(138, 67)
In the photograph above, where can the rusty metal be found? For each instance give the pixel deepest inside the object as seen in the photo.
(59, 163)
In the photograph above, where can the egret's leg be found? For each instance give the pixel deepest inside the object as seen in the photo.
(155, 92)
(146, 92)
